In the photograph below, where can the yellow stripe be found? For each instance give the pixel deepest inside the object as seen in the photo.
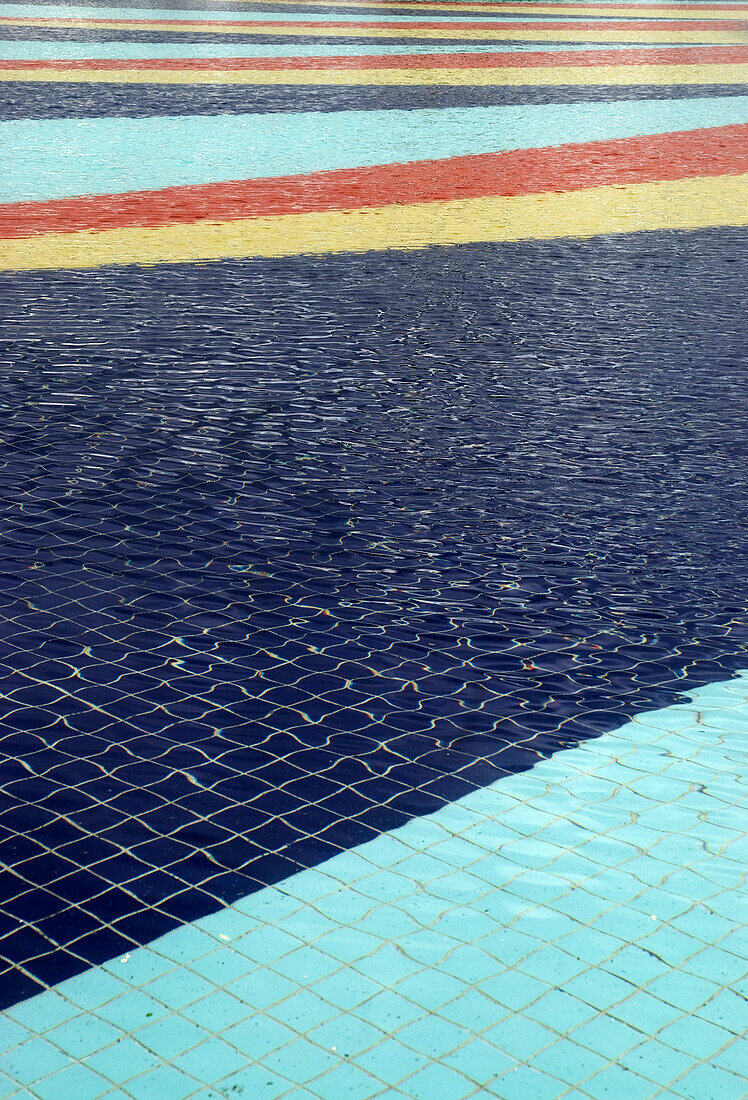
(532, 75)
(468, 34)
(682, 204)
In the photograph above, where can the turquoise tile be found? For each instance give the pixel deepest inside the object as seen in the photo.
(474, 1010)
(635, 965)
(170, 1036)
(510, 945)
(520, 1037)
(568, 1061)
(599, 989)
(683, 990)
(302, 967)
(262, 988)
(617, 1083)
(74, 1081)
(470, 964)
(436, 1080)
(209, 1059)
(696, 1037)
(551, 965)
(465, 923)
(391, 1061)
(35, 1014)
(347, 945)
(480, 1061)
(256, 1082)
(726, 1009)
(88, 995)
(389, 1010)
(138, 967)
(301, 1061)
(560, 1011)
(388, 922)
(346, 989)
(581, 905)
(644, 1012)
(346, 1080)
(34, 1060)
(387, 965)
(656, 1062)
(672, 946)
(178, 988)
(591, 945)
(222, 967)
(122, 1060)
(347, 1035)
(257, 1036)
(217, 1011)
(12, 1033)
(165, 1082)
(265, 944)
(732, 1058)
(132, 1010)
(430, 988)
(514, 989)
(302, 1010)
(433, 1037)
(606, 1036)
(186, 944)
(525, 1082)
(9, 1087)
(83, 1035)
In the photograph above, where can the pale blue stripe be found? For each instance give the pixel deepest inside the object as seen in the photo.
(53, 158)
(42, 51)
(575, 927)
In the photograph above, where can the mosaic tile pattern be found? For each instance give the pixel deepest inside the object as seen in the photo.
(342, 478)
(577, 930)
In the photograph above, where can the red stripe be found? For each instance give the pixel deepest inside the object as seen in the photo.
(688, 55)
(642, 24)
(715, 151)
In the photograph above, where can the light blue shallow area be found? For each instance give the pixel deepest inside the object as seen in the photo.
(53, 158)
(44, 51)
(574, 931)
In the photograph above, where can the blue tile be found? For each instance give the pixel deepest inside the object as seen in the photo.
(480, 1061)
(560, 1011)
(430, 988)
(696, 1037)
(519, 1037)
(526, 1082)
(257, 1036)
(568, 1061)
(122, 1060)
(607, 1037)
(347, 1035)
(83, 1036)
(73, 1081)
(514, 989)
(617, 1083)
(389, 1010)
(301, 1061)
(436, 1080)
(208, 1059)
(433, 1036)
(391, 1061)
(656, 1062)
(346, 1080)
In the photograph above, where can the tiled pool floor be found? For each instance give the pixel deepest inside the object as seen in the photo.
(374, 710)
(577, 930)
